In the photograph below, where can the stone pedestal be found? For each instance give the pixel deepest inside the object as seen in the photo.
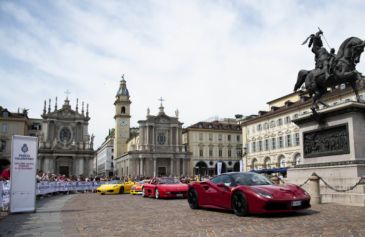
(333, 146)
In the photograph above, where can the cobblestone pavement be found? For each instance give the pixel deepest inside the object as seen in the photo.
(46, 221)
(126, 215)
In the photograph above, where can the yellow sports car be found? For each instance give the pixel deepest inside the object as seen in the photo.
(137, 187)
(115, 187)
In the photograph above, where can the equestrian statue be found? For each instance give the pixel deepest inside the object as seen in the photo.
(331, 69)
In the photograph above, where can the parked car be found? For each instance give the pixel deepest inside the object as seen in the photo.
(115, 187)
(245, 193)
(136, 189)
(165, 187)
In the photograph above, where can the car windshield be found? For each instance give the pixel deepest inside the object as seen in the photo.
(250, 179)
(169, 181)
(114, 182)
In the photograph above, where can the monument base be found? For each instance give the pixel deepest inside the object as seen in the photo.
(333, 147)
(339, 176)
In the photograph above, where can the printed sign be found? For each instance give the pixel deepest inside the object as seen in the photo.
(22, 174)
(219, 168)
(241, 166)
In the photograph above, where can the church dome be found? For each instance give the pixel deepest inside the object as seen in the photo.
(122, 91)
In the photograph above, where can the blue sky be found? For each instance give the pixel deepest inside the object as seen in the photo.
(205, 58)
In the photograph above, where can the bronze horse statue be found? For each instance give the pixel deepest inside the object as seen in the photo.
(331, 70)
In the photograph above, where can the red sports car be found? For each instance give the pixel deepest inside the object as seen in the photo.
(165, 188)
(246, 193)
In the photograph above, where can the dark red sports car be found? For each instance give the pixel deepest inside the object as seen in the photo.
(246, 193)
(165, 188)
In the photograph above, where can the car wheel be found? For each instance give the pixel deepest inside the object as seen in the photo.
(193, 199)
(239, 204)
(121, 190)
(143, 193)
(157, 194)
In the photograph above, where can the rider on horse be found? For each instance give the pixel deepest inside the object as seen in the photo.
(322, 58)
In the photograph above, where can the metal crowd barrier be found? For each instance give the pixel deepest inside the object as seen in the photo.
(47, 187)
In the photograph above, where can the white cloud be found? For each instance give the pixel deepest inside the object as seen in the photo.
(204, 57)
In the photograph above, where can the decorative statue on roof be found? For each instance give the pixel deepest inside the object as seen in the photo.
(331, 69)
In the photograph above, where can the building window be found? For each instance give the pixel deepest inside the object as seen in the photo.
(287, 120)
(288, 140)
(266, 126)
(210, 137)
(220, 152)
(267, 144)
(229, 152)
(239, 151)
(298, 159)
(253, 146)
(260, 145)
(254, 164)
(219, 137)
(273, 143)
(2, 145)
(280, 142)
(267, 163)
(210, 152)
(4, 128)
(297, 140)
(272, 124)
(229, 138)
(280, 122)
(259, 127)
(238, 138)
(123, 110)
(200, 136)
(282, 162)
(201, 153)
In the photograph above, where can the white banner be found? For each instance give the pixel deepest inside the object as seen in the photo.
(219, 168)
(241, 166)
(24, 152)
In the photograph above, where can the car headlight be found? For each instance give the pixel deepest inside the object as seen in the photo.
(262, 193)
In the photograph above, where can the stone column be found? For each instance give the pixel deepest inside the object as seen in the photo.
(183, 167)
(178, 170)
(314, 189)
(52, 165)
(154, 167)
(81, 166)
(39, 163)
(141, 173)
(46, 165)
(171, 167)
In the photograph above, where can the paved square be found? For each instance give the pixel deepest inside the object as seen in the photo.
(127, 215)
(91, 214)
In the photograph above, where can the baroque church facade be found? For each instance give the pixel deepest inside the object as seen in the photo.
(65, 146)
(155, 148)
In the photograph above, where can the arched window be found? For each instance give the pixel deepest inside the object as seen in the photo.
(123, 110)
(267, 163)
(298, 159)
(254, 164)
(282, 161)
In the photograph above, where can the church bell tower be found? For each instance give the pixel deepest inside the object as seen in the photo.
(122, 119)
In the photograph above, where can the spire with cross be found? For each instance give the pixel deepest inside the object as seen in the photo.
(67, 92)
(161, 106)
(161, 100)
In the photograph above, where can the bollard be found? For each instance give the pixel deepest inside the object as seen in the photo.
(314, 189)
